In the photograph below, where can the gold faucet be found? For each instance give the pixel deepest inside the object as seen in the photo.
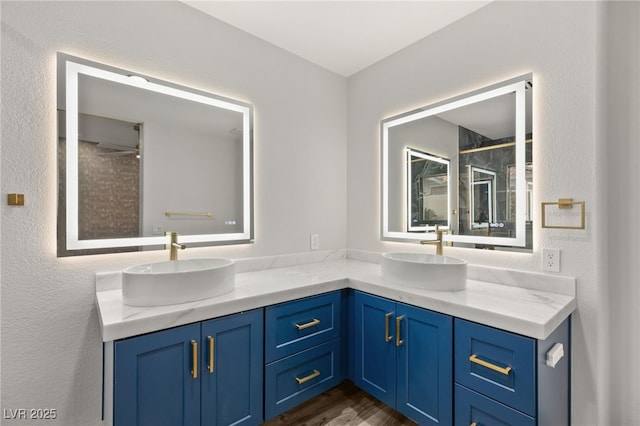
(173, 245)
(437, 241)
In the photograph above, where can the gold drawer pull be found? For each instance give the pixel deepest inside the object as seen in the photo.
(503, 370)
(387, 317)
(194, 354)
(313, 375)
(307, 325)
(474, 424)
(399, 341)
(211, 353)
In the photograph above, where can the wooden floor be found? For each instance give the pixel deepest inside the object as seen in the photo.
(343, 405)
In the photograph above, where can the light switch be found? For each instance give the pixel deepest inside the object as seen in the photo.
(315, 242)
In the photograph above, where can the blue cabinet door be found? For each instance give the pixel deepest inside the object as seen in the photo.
(425, 365)
(374, 347)
(156, 381)
(232, 360)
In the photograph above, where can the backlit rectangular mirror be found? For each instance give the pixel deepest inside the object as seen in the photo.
(471, 154)
(139, 157)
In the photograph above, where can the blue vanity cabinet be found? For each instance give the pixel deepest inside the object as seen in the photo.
(207, 373)
(304, 350)
(248, 367)
(503, 378)
(403, 356)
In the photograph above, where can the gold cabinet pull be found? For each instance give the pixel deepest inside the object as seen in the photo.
(474, 424)
(307, 325)
(387, 337)
(399, 341)
(503, 370)
(211, 348)
(313, 375)
(194, 354)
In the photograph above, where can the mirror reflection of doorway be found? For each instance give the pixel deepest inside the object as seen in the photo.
(482, 197)
(109, 178)
(428, 181)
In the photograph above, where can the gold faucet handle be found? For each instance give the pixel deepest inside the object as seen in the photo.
(173, 245)
(173, 239)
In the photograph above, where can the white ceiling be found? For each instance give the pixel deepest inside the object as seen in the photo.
(342, 36)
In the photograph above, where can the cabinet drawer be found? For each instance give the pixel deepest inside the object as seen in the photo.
(496, 363)
(475, 409)
(300, 324)
(300, 377)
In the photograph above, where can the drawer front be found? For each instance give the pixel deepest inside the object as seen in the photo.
(298, 378)
(496, 363)
(475, 409)
(294, 326)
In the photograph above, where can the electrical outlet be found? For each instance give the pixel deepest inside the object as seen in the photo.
(315, 242)
(551, 260)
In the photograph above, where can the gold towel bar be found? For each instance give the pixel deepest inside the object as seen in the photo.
(563, 203)
(206, 214)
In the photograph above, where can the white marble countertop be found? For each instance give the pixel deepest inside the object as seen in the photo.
(530, 304)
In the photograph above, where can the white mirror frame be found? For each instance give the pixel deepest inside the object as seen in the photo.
(73, 68)
(517, 86)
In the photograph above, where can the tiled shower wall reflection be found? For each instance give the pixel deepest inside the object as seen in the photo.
(500, 160)
(109, 195)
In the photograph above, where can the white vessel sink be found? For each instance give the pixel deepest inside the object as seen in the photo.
(426, 271)
(178, 281)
